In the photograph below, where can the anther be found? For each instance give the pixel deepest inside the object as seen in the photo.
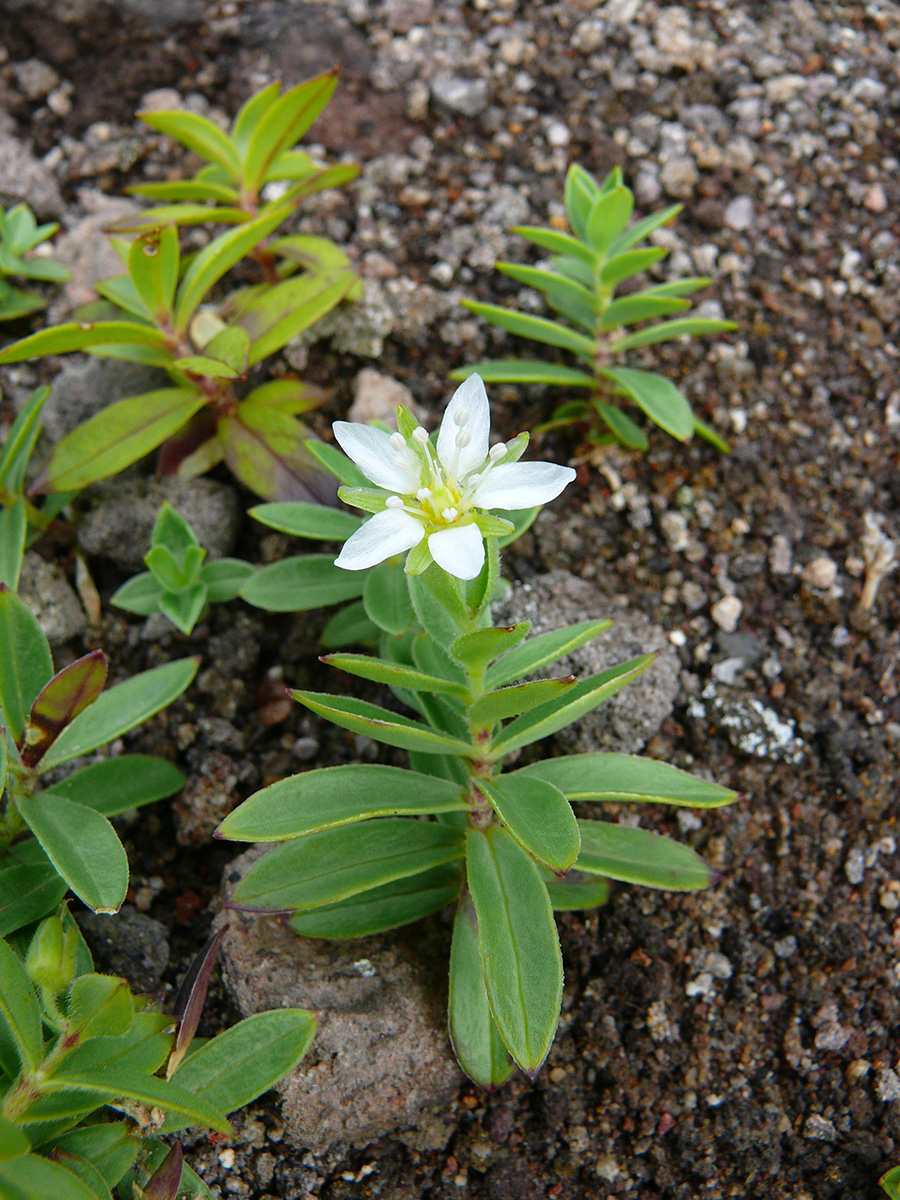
(461, 418)
(497, 452)
(420, 435)
(398, 441)
(462, 439)
(449, 514)
(423, 493)
(393, 502)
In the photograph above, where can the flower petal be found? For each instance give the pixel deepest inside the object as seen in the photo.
(459, 550)
(521, 485)
(387, 533)
(458, 461)
(373, 453)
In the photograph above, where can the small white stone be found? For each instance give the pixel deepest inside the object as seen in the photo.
(887, 1085)
(820, 573)
(558, 134)
(727, 612)
(739, 213)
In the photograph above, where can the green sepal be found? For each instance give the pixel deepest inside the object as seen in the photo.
(640, 856)
(332, 796)
(477, 1043)
(322, 868)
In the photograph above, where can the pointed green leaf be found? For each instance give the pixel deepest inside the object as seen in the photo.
(60, 700)
(640, 307)
(540, 818)
(657, 397)
(297, 584)
(710, 435)
(583, 698)
(540, 651)
(224, 356)
(384, 726)
(223, 578)
(251, 113)
(365, 666)
(579, 195)
(548, 281)
(29, 886)
(118, 785)
(621, 425)
(609, 215)
(100, 1004)
(83, 847)
(476, 1040)
(667, 331)
(337, 463)
(538, 329)
(513, 701)
(307, 520)
(122, 708)
(246, 1060)
(625, 777)
(63, 339)
(20, 441)
(121, 1084)
(519, 945)
(185, 189)
(21, 1044)
(198, 134)
(140, 595)
(13, 1141)
(177, 215)
(639, 856)
(623, 266)
(438, 603)
(332, 796)
(109, 1146)
(557, 243)
(679, 287)
(642, 229)
(118, 436)
(284, 123)
(153, 264)
(349, 627)
(514, 370)
(281, 312)
(25, 663)
(321, 868)
(13, 530)
(185, 608)
(386, 598)
(575, 890)
(483, 645)
(33, 1177)
(382, 908)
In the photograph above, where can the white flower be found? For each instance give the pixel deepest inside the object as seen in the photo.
(440, 494)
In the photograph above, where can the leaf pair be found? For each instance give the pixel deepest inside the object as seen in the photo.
(579, 284)
(19, 234)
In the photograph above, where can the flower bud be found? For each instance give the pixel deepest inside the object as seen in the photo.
(51, 959)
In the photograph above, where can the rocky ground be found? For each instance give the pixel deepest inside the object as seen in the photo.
(738, 1042)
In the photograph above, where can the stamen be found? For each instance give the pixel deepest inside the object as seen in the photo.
(393, 502)
(398, 441)
(497, 452)
(420, 435)
(462, 438)
(461, 418)
(423, 493)
(449, 514)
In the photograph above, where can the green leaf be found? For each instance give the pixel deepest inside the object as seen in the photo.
(639, 856)
(139, 595)
(29, 887)
(109, 1146)
(625, 777)
(223, 578)
(122, 708)
(281, 312)
(297, 584)
(16, 303)
(118, 785)
(13, 1141)
(186, 189)
(177, 214)
(642, 229)
(639, 307)
(121, 1084)
(153, 264)
(539, 818)
(438, 604)
(512, 701)
(284, 123)
(21, 1044)
(265, 449)
(337, 463)
(144, 1047)
(483, 645)
(246, 1060)
(538, 329)
(609, 215)
(218, 257)
(710, 435)
(321, 868)
(519, 945)
(198, 134)
(514, 370)
(250, 113)
(576, 890)
(33, 1177)
(3, 759)
(307, 520)
(82, 845)
(20, 441)
(384, 726)
(13, 528)
(623, 266)
(349, 627)
(184, 609)
(679, 287)
(382, 908)
(60, 700)
(621, 426)
(365, 666)
(25, 663)
(118, 436)
(476, 1040)
(224, 356)
(557, 243)
(583, 698)
(549, 281)
(890, 1182)
(579, 196)
(86, 1172)
(333, 796)
(540, 651)
(310, 253)
(100, 1005)
(63, 339)
(657, 397)
(386, 598)
(666, 331)
(289, 394)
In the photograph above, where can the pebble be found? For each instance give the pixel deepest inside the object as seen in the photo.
(674, 528)
(786, 947)
(376, 398)
(887, 1084)
(468, 97)
(781, 555)
(739, 213)
(819, 1129)
(876, 200)
(855, 866)
(726, 613)
(35, 79)
(820, 573)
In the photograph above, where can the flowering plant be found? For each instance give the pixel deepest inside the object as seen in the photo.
(363, 848)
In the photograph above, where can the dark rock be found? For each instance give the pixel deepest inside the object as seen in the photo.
(129, 944)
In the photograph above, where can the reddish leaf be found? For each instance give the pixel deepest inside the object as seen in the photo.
(165, 1181)
(264, 448)
(190, 998)
(199, 429)
(67, 694)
